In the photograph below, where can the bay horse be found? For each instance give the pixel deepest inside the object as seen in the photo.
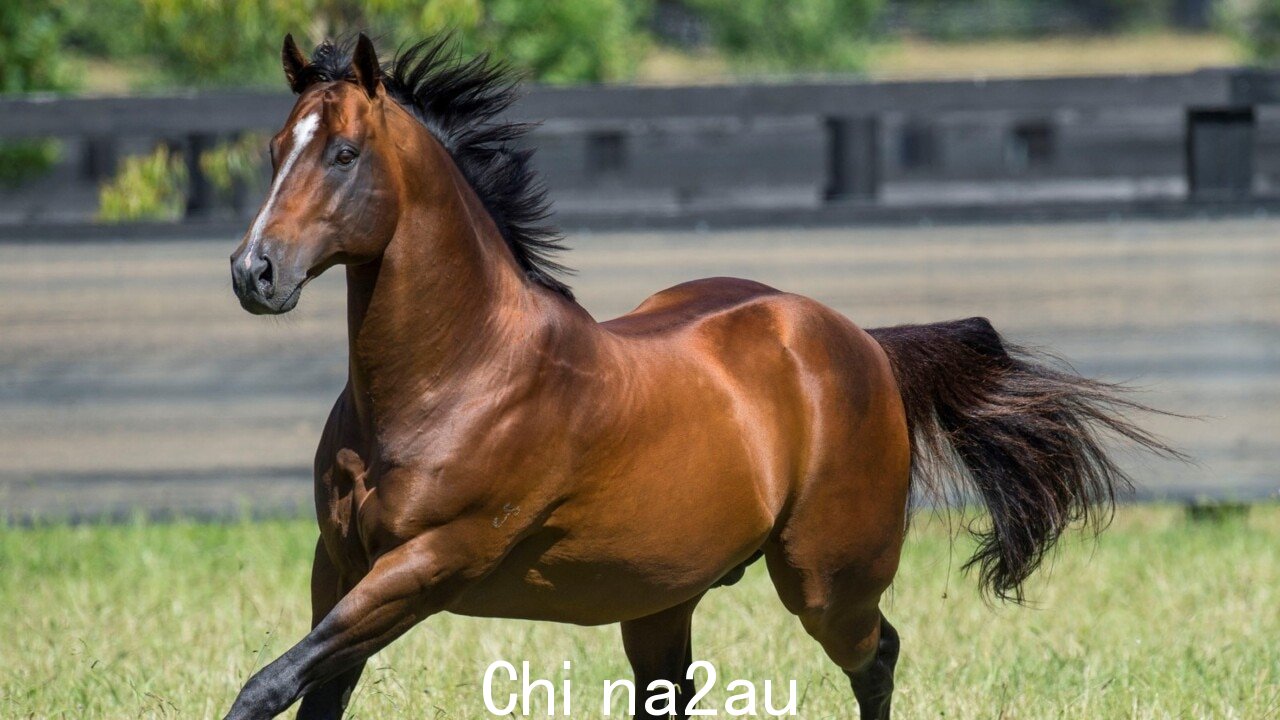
(497, 452)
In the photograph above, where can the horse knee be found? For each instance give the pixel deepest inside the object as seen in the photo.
(851, 640)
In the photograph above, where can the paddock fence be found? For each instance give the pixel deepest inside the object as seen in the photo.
(802, 153)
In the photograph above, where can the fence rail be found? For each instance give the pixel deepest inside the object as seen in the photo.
(829, 149)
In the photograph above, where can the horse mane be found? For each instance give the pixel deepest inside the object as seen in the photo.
(459, 101)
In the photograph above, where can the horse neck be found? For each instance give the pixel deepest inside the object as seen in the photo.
(445, 297)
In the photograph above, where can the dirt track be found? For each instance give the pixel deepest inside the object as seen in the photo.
(129, 377)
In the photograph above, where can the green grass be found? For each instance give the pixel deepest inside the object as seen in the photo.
(1160, 618)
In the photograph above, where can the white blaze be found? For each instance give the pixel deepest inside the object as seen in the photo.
(303, 131)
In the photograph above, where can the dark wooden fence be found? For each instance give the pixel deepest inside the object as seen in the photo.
(796, 152)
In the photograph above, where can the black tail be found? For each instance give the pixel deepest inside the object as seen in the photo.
(1028, 433)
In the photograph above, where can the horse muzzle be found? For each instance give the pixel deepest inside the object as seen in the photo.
(264, 284)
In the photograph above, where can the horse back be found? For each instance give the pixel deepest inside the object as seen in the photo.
(687, 304)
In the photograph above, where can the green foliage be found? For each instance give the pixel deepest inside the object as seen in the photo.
(240, 161)
(1256, 25)
(553, 41)
(237, 42)
(1120, 15)
(153, 187)
(792, 34)
(104, 28)
(951, 20)
(30, 60)
(30, 47)
(21, 162)
(564, 41)
(227, 42)
(147, 187)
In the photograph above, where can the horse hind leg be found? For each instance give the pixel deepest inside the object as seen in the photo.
(847, 623)
(867, 653)
(835, 551)
(873, 684)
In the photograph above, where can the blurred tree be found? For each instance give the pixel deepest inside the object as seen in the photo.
(30, 47)
(31, 59)
(236, 162)
(103, 28)
(960, 19)
(1114, 15)
(792, 34)
(220, 42)
(564, 41)
(1256, 25)
(229, 42)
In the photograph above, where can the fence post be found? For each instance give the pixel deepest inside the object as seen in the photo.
(200, 194)
(853, 158)
(101, 157)
(1219, 150)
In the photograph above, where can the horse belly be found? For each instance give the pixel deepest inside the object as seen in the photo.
(593, 577)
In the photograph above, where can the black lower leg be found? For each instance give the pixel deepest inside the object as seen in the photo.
(676, 674)
(658, 648)
(873, 685)
(685, 683)
(329, 701)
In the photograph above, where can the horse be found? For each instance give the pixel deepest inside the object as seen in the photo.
(498, 452)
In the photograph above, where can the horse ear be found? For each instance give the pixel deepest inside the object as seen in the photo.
(294, 63)
(365, 63)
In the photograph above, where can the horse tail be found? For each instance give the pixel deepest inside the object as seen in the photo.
(1026, 431)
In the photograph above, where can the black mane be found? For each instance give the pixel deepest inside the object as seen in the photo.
(459, 102)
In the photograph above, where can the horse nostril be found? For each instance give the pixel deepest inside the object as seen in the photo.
(266, 277)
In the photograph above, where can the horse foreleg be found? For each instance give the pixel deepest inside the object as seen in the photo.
(329, 700)
(399, 591)
(659, 648)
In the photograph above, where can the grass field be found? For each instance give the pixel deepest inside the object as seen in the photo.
(1160, 618)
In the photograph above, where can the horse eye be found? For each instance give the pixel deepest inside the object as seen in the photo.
(345, 156)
